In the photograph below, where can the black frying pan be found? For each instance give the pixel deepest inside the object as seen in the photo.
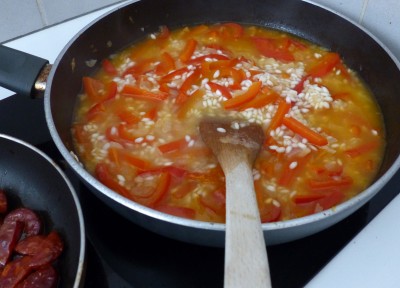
(360, 50)
(31, 179)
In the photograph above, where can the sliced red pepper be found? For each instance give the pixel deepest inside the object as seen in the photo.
(362, 149)
(190, 103)
(222, 89)
(128, 117)
(247, 96)
(203, 58)
(176, 73)
(289, 174)
(162, 188)
(181, 98)
(332, 199)
(331, 184)
(262, 100)
(189, 81)
(164, 32)
(300, 86)
(329, 200)
(95, 110)
(270, 212)
(172, 170)
(141, 67)
(93, 88)
(135, 92)
(271, 48)
(305, 132)
(117, 155)
(173, 146)
(324, 65)
(183, 188)
(230, 30)
(188, 50)
(306, 198)
(277, 119)
(109, 67)
(166, 64)
(103, 173)
(215, 201)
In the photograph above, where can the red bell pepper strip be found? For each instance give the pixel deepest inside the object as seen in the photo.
(324, 65)
(271, 48)
(109, 67)
(305, 132)
(282, 110)
(190, 103)
(172, 146)
(362, 149)
(260, 101)
(188, 50)
(191, 80)
(247, 96)
(217, 87)
(330, 184)
(135, 92)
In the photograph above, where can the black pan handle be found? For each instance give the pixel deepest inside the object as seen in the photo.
(19, 70)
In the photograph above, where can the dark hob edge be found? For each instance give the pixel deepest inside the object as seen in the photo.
(123, 255)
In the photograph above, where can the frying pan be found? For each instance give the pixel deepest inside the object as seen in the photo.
(116, 30)
(31, 179)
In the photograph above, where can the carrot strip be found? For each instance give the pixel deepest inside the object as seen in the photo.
(247, 96)
(188, 50)
(299, 128)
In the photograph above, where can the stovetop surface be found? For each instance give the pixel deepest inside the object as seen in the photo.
(122, 254)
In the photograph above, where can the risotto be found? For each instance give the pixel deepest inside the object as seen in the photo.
(136, 123)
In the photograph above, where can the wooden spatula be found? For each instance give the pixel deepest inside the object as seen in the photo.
(236, 147)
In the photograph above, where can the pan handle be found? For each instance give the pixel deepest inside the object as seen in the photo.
(19, 71)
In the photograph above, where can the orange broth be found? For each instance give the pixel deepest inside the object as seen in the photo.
(136, 124)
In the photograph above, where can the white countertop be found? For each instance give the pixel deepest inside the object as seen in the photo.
(371, 259)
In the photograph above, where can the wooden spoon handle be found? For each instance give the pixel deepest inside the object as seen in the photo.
(246, 260)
